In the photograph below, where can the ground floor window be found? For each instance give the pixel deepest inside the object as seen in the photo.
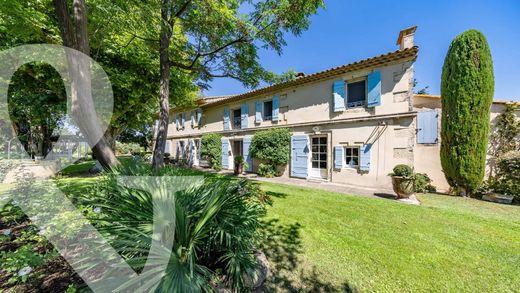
(352, 157)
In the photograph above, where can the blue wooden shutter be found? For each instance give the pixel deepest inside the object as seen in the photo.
(244, 115)
(178, 150)
(183, 119)
(167, 147)
(339, 156)
(247, 156)
(258, 111)
(427, 127)
(338, 95)
(276, 108)
(374, 89)
(191, 151)
(177, 121)
(226, 119)
(192, 119)
(364, 159)
(225, 153)
(199, 117)
(300, 156)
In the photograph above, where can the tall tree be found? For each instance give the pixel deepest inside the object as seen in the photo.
(467, 94)
(218, 39)
(74, 33)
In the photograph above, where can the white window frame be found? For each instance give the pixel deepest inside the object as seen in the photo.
(347, 166)
(364, 79)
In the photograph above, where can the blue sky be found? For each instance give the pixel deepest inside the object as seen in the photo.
(347, 31)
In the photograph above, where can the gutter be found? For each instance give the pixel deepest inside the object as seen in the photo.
(302, 124)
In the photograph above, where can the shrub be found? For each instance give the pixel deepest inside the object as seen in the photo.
(402, 170)
(423, 183)
(215, 230)
(467, 93)
(128, 148)
(266, 170)
(211, 150)
(272, 147)
(507, 179)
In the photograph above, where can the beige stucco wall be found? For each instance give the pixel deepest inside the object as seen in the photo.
(427, 157)
(312, 102)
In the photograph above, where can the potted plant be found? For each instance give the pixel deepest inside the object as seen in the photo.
(403, 181)
(240, 164)
(166, 158)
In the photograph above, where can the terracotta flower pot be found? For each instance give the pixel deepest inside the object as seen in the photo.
(239, 169)
(403, 186)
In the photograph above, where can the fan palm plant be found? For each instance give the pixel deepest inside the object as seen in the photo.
(214, 231)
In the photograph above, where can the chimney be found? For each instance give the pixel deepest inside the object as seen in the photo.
(405, 39)
(300, 74)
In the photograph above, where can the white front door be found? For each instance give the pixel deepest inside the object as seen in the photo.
(319, 157)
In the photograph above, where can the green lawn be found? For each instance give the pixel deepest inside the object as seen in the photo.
(332, 242)
(323, 241)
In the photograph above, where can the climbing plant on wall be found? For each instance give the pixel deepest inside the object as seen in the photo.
(272, 147)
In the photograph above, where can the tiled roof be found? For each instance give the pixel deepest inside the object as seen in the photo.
(502, 102)
(408, 53)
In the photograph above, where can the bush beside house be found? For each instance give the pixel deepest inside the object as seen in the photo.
(467, 88)
(272, 147)
(211, 150)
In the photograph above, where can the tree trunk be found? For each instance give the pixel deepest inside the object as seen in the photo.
(83, 111)
(164, 91)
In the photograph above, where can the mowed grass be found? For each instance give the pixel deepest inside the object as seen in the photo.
(322, 241)
(317, 240)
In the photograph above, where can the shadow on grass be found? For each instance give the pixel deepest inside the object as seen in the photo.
(385, 195)
(282, 246)
(276, 194)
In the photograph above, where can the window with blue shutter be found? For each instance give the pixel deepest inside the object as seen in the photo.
(178, 150)
(258, 111)
(364, 157)
(374, 89)
(338, 156)
(192, 119)
(244, 115)
(177, 121)
(191, 151)
(225, 153)
(300, 156)
(276, 108)
(427, 127)
(245, 152)
(199, 117)
(338, 95)
(226, 119)
(183, 122)
(167, 147)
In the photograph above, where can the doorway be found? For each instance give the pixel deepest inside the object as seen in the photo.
(238, 148)
(319, 168)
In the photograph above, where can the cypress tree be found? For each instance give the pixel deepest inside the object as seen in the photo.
(467, 89)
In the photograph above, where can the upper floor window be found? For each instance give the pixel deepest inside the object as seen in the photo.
(268, 110)
(237, 119)
(356, 94)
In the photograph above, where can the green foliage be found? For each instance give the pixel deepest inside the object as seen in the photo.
(506, 135)
(402, 170)
(16, 262)
(215, 229)
(423, 183)
(507, 178)
(272, 147)
(467, 93)
(266, 170)
(128, 148)
(211, 150)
